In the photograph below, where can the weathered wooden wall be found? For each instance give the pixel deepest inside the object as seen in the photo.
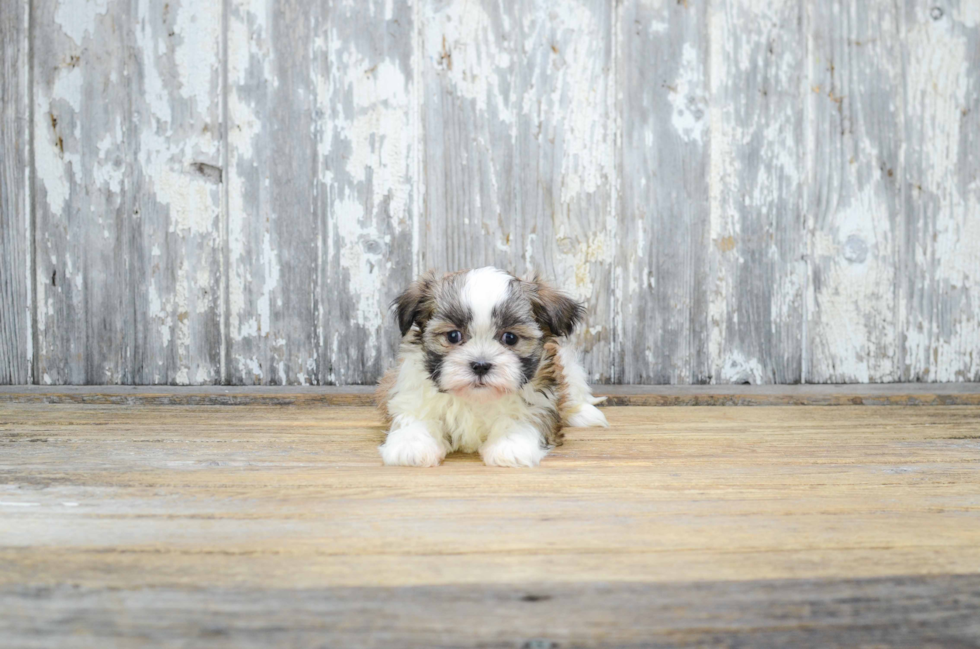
(764, 191)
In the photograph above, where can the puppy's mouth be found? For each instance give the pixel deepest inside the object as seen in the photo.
(480, 390)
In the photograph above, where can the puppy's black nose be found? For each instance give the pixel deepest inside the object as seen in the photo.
(481, 367)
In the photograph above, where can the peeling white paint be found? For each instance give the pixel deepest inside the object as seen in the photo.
(462, 42)
(78, 19)
(578, 100)
(364, 267)
(687, 96)
(722, 223)
(736, 368)
(109, 170)
(937, 88)
(239, 273)
(969, 13)
(942, 345)
(31, 306)
(156, 310)
(855, 306)
(957, 246)
(48, 164)
(166, 155)
(529, 265)
(57, 161)
(270, 281)
(198, 28)
(248, 46)
(368, 163)
(378, 131)
(203, 376)
(756, 179)
(251, 366)
(371, 167)
(574, 262)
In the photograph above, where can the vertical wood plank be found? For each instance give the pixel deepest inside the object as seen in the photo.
(126, 125)
(855, 172)
(757, 242)
(367, 181)
(16, 275)
(941, 246)
(272, 229)
(664, 251)
(85, 193)
(178, 106)
(520, 165)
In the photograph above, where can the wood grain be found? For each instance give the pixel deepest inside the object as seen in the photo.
(176, 246)
(273, 234)
(859, 217)
(778, 524)
(894, 178)
(127, 148)
(757, 154)
(941, 244)
(741, 192)
(368, 185)
(662, 320)
(86, 275)
(16, 251)
(895, 612)
(519, 149)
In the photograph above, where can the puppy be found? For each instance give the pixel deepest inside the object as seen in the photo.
(483, 366)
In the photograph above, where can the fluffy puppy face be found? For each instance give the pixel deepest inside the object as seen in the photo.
(483, 331)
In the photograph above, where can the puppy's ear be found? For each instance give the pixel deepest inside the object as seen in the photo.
(553, 309)
(413, 304)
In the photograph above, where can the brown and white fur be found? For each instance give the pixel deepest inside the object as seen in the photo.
(483, 366)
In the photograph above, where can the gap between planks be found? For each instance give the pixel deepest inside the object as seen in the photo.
(892, 394)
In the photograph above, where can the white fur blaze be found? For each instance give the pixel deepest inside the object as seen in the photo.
(484, 289)
(412, 445)
(521, 447)
(587, 416)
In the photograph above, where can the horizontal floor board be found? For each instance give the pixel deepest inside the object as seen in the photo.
(270, 524)
(904, 611)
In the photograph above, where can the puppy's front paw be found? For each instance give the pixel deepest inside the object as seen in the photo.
(513, 450)
(412, 445)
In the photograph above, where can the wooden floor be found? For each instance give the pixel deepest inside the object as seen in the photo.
(678, 526)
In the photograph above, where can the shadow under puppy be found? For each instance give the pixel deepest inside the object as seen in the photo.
(483, 366)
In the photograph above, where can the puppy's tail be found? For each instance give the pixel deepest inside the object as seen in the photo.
(579, 409)
(586, 417)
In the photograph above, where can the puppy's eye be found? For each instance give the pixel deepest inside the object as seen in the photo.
(454, 337)
(509, 339)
